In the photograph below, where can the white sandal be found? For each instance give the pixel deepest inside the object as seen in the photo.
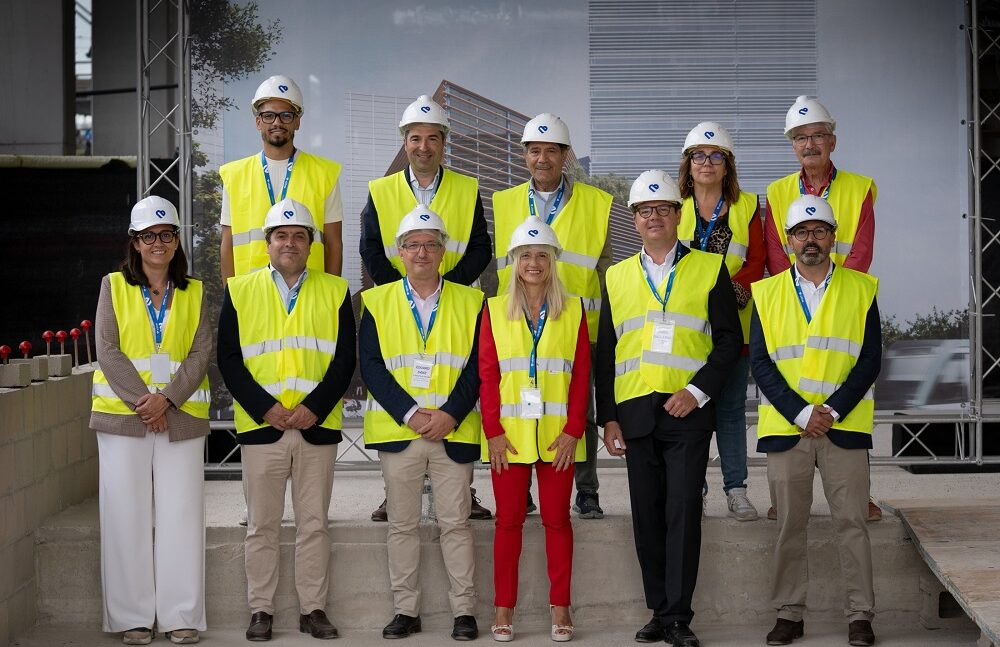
(561, 633)
(502, 633)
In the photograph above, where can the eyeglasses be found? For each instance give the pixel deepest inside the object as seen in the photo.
(716, 157)
(819, 233)
(818, 138)
(660, 209)
(149, 237)
(430, 248)
(269, 117)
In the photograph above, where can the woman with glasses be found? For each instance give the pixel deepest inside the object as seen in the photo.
(150, 409)
(534, 365)
(717, 217)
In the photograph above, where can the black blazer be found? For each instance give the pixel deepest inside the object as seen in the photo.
(639, 416)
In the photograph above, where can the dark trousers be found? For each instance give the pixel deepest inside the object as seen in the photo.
(666, 470)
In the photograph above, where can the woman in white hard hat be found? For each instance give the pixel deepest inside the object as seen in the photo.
(150, 409)
(534, 414)
(716, 216)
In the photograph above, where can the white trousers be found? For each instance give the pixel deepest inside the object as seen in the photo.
(149, 484)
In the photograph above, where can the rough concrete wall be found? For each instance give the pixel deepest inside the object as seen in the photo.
(48, 461)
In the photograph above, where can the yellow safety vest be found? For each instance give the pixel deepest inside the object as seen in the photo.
(847, 194)
(816, 357)
(554, 363)
(638, 370)
(740, 216)
(313, 179)
(449, 343)
(288, 354)
(582, 229)
(454, 201)
(135, 337)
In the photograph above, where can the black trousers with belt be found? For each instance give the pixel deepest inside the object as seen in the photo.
(666, 472)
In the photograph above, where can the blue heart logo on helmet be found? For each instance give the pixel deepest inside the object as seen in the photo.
(532, 232)
(811, 210)
(425, 217)
(160, 213)
(289, 214)
(425, 109)
(542, 129)
(709, 134)
(654, 187)
(283, 88)
(803, 110)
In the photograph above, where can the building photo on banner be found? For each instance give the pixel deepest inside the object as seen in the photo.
(629, 99)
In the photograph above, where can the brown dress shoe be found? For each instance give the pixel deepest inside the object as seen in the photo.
(785, 631)
(317, 625)
(380, 513)
(260, 626)
(860, 633)
(478, 512)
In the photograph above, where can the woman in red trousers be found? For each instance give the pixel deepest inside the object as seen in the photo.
(534, 363)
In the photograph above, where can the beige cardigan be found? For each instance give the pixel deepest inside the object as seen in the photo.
(127, 385)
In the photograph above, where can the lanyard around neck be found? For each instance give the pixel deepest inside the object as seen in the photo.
(670, 279)
(267, 177)
(156, 317)
(802, 298)
(703, 233)
(826, 191)
(416, 313)
(536, 335)
(555, 205)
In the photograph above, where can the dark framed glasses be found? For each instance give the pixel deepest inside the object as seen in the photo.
(268, 117)
(149, 237)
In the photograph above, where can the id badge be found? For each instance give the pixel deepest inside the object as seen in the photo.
(159, 366)
(421, 376)
(531, 403)
(663, 337)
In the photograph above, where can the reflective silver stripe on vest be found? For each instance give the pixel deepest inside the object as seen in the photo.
(547, 364)
(99, 390)
(455, 246)
(635, 323)
(247, 237)
(590, 305)
(502, 262)
(300, 384)
(687, 321)
(672, 361)
(842, 248)
(297, 342)
(428, 400)
(787, 352)
(406, 360)
(834, 343)
(580, 260)
(738, 250)
(548, 409)
(261, 347)
(828, 388)
(621, 368)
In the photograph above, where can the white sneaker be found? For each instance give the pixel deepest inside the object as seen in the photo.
(739, 505)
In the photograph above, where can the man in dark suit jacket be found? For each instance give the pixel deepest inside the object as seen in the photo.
(660, 363)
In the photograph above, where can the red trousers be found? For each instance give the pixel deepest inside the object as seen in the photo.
(511, 492)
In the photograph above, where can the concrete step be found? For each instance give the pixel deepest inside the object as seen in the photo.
(733, 587)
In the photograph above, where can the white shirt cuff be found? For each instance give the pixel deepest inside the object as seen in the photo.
(409, 414)
(698, 394)
(802, 419)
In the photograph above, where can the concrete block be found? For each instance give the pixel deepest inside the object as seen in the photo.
(24, 561)
(11, 416)
(39, 367)
(7, 452)
(60, 365)
(74, 440)
(17, 524)
(15, 375)
(24, 463)
(88, 440)
(42, 444)
(22, 609)
(7, 583)
(58, 447)
(5, 637)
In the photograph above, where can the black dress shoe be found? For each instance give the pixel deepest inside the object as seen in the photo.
(260, 626)
(401, 627)
(317, 625)
(679, 634)
(651, 633)
(465, 628)
(860, 633)
(380, 513)
(478, 512)
(785, 631)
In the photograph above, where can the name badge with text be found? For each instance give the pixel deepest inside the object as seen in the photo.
(159, 366)
(421, 376)
(531, 403)
(663, 337)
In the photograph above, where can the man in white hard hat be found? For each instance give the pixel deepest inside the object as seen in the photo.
(287, 353)
(250, 186)
(810, 128)
(580, 216)
(815, 351)
(418, 343)
(453, 196)
(669, 335)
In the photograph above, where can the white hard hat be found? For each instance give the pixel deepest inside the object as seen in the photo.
(420, 218)
(809, 207)
(150, 211)
(708, 133)
(424, 111)
(288, 212)
(277, 87)
(533, 231)
(653, 185)
(807, 110)
(546, 128)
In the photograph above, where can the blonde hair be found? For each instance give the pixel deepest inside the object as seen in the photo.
(555, 292)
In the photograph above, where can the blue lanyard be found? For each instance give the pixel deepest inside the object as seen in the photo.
(826, 192)
(670, 280)
(416, 313)
(156, 317)
(702, 233)
(267, 176)
(536, 335)
(802, 298)
(555, 205)
(294, 297)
